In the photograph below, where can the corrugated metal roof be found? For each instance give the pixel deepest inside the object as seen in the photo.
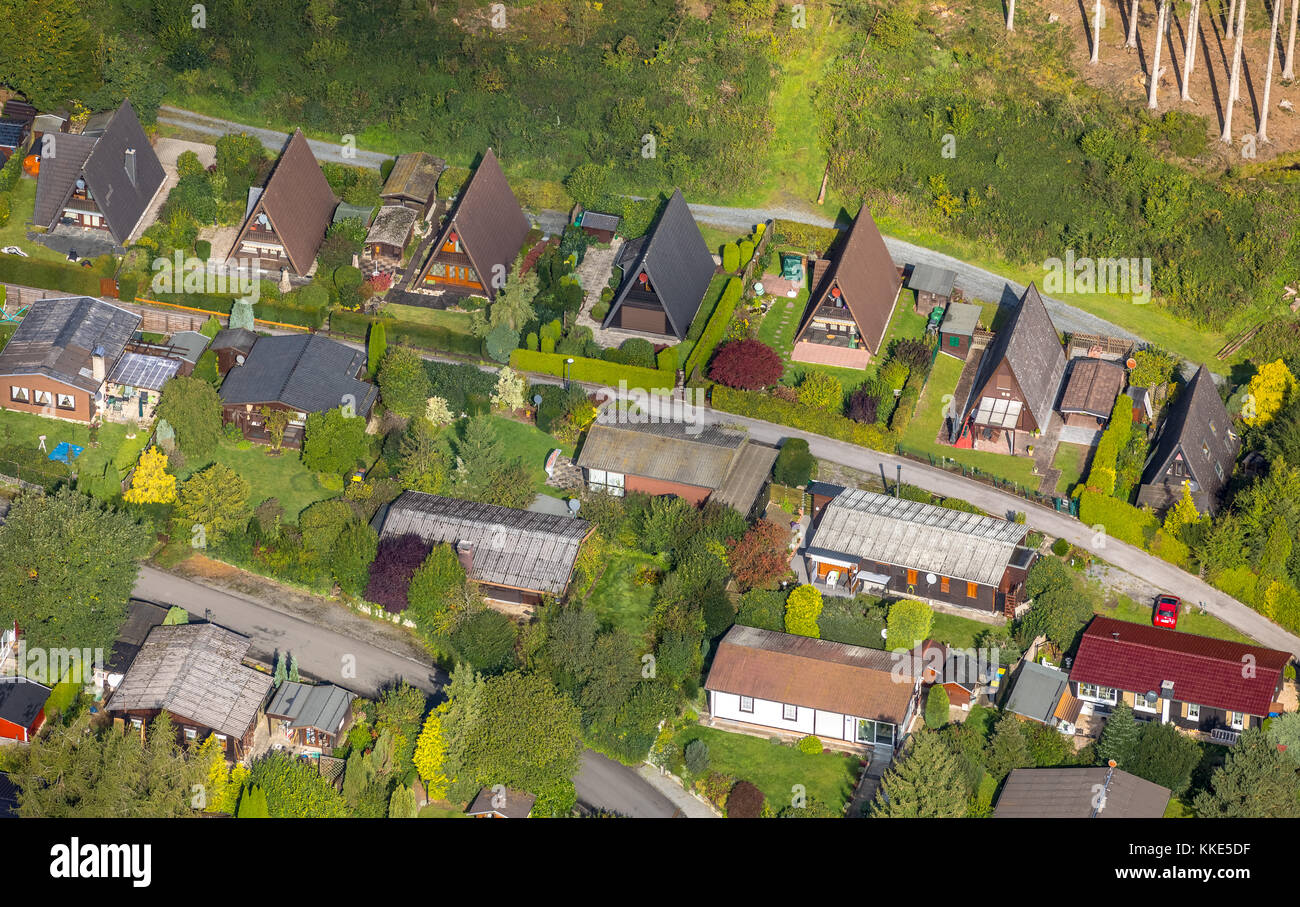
(930, 279)
(58, 336)
(143, 371)
(321, 706)
(305, 371)
(679, 264)
(195, 672)
(667, 451)
(925, 537)
(961, 318)
(813, 673)
(521, 549)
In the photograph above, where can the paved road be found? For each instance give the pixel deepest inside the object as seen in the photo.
(1126, 557)
(273, 139)
(324, 651)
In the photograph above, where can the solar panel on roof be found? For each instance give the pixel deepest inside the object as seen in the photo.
(140, 370)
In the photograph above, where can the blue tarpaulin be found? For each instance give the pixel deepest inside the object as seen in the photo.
(65, 452)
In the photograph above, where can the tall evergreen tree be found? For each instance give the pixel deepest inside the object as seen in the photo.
(1256, 782)
(1119, 738)
(1008, 749)
(927, 783)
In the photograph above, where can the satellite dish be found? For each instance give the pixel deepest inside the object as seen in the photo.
(931, 579)
(81, 183)
(884, 633)
(262, 219)
(574, 505)
(239, 359)
(537, 399)
(1151, 697)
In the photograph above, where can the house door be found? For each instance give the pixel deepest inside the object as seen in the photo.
(850, 729)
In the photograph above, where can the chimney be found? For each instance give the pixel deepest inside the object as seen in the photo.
(129, 163)
(465, 554)
(97, 369)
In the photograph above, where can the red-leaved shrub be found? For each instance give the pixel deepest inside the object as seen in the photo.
(396, 560)
(747, 365)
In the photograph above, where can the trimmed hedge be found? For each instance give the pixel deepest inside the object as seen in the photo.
(1121, 519)
(716, 328)
(427, 336)
(759, 405)
(594, 371)
(49, 275)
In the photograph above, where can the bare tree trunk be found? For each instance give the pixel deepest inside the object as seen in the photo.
(1161, 20)
(1232, 14)
(1189, 52)
(1288, 69)
(1226, 137)
(1096, 30)
(1262, 134)
(1132, 25)
(1011, 15)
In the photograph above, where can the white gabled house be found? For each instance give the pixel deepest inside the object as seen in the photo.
(801, 685)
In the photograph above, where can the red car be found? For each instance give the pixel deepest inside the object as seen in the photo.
(1166, 612)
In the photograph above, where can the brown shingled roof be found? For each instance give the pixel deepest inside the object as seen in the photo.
(814, 673)
(414, 176)
(867, 278)
(298, 201)
(1092, 388)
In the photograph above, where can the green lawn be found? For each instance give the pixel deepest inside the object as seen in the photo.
(925, 424)
(828, 778)
(1198, 624)
(282, 477)
(1072, 460)
(22, 200)
(959, 632)
(437, 811)
(616, 598)
(96, 472)
(452, 321)
(529, 444)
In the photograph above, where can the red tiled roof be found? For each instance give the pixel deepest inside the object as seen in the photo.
(1209, 672)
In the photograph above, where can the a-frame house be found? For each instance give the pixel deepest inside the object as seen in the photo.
(481, 240)
(665, 276)
(285, 221)
(1018, 380)
(853, 298)
(1195, 447)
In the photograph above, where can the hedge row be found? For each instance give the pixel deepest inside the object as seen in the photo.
(759, 405)
(806, 236)
(594, 371)
(49, 275)
(1277, 600)
(1120, 519)
(428, 336)
(716, 328)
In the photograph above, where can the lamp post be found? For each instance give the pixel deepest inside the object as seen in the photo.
(898, 484)
(567, 363)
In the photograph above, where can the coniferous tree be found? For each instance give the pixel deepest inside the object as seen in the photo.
(1256, 782)
(927, 783)
(1008, 748)
(1119, 738)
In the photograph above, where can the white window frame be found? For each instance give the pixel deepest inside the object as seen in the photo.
(1193, 712)
(191, 733)
(65, 401)
(19, 394)
(750, 708)
(43, 398)
(1140, 705)
(1237, 720)
(1096, 694)
(786, 709)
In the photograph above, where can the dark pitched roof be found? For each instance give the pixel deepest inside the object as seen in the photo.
(1196, 422)
(321, 706)
(867, 279)
(58, 174)
(678, 263)
(489, 222)
(1092, 387)
(100, 154)
(414, 176)
(1138, 658)
(1033, 350)
(8, 797)
(305, 371)
(196, 672)
(19, 110)
(298, 201)
(241, 339)
(12, 132)
(512, 804)
(521, 549)
(813, 673)
(21, 700)
(1037, 691)
(596, 220)
(1073, 793)
(392, 225)
(57, 338)
(140, 619)
(961, 318)
(930, 279)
